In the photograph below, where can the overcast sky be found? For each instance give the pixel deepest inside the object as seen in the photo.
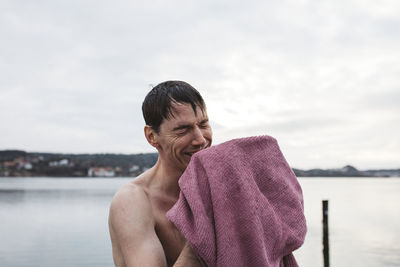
(323, 77)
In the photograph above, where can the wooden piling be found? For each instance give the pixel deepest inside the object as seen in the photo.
(325, 232)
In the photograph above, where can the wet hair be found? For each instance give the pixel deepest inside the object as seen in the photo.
(157, 105)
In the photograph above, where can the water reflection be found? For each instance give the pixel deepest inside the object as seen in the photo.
(11, 196)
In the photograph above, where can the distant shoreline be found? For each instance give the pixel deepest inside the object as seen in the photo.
(18, 163)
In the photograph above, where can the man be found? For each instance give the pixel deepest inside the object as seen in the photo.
(177, 126)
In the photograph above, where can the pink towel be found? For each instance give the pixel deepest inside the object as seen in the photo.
(241, 205)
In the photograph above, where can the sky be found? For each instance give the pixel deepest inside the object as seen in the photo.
(322, 77)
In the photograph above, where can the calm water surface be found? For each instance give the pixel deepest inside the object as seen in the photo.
(63, 221)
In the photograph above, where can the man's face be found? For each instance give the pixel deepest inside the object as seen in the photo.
(183, 134)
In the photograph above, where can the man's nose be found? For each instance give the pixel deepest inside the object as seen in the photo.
(198, 139)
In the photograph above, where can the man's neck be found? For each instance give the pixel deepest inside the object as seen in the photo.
(165, 179)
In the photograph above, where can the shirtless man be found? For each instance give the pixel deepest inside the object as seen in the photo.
(177, 126)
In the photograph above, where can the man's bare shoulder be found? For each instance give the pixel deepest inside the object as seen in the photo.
(127, 194)
(131, 206)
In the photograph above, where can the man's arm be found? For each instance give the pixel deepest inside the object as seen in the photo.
(131, 224)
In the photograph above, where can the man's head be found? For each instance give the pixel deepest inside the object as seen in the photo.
(176, 122)
(157, 106)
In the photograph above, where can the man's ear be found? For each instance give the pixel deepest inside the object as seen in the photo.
(151, 136)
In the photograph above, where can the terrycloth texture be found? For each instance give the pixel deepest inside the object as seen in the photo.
(241, 205)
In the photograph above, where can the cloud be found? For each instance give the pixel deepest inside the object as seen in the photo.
(322, 77)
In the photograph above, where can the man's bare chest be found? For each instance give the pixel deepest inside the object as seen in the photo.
(171, 239)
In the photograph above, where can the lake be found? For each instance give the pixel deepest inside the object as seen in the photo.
(63, 221)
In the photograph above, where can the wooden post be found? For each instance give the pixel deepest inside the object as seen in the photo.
(325, 232)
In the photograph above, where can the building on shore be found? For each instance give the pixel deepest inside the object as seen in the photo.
(101, 172)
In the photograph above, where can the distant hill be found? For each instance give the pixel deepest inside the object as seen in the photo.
(22, 163)
(347, 171)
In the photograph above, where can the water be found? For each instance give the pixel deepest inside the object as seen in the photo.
(63, 221)
(55, 222)
(364, 221)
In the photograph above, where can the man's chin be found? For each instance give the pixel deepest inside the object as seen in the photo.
(187, 156)
(186, 160)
